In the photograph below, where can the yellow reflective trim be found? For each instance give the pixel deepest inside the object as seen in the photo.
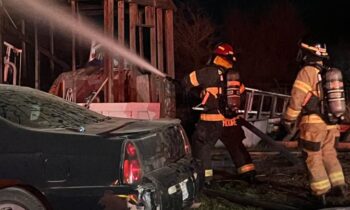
(316, 93)
(123, 196)
(312, 119)
(241, 88)
(302, 86)
(329, 127)
(213, 90)
(322, 50)
(208, 173)
(336, 176)
(221, 48)
(321, 185)
(292, 113)
(229, 122)
(246, 168)
(212, 117)
(222, 62)
(216, 117)
(193, 78)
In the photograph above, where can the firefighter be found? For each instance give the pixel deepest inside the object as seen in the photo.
(317, 133)
(220, 101)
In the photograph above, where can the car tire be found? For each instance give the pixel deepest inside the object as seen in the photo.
(14, 198)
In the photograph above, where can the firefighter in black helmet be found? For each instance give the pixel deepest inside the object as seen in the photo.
(317, 133)
(222, 88)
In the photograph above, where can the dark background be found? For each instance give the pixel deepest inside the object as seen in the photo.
(265, 33)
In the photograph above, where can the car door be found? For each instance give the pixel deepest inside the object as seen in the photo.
(21, 157)
(56, 169)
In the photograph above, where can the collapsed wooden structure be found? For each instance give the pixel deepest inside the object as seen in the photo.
(146, 26)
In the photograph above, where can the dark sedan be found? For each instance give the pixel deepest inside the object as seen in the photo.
(57, 155)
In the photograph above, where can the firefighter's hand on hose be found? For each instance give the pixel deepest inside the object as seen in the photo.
(289, 125)
(172, 80)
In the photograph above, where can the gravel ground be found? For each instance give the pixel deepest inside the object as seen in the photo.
(278, 182)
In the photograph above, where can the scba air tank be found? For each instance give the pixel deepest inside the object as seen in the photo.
(334, 94)
(230, 98)
(233, 89)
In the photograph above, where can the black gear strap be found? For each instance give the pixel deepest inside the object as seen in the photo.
(309, 145)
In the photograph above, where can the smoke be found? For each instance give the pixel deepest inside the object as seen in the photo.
(63, 20)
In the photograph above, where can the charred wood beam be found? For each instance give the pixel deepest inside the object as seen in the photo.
(36, 56)
(164, 4)
(42, 50)
(93, 9)
(160, 40)
(74, 62)
(141, 38)
(96, 9)
(52, 48)
(169, 40)
(108, 60)
(121, 22)
(133, 13)
(24, 52)
(80, 39)
(169, 108)
(96, 12)
(133, 19)
(121, 39)
(151, 20)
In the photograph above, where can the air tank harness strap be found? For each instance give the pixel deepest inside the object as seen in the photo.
(210, 90)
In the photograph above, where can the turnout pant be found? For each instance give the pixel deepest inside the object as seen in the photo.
(207, 134)
(318, 144)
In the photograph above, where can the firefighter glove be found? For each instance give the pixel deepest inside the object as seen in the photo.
(170, 79)
(173, 81)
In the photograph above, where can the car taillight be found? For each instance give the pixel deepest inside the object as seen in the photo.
(132, 172)
(187, 145)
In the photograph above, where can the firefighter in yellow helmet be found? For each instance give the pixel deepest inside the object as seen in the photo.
(222, 88)
(318, 132)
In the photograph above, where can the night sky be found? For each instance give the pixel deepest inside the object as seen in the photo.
(328, 20)
(264, 32)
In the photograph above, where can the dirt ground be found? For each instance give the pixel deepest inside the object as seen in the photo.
(278, 182)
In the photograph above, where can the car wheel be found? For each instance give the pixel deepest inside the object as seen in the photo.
(14, 198)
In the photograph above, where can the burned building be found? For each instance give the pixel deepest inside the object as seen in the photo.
(146, 27)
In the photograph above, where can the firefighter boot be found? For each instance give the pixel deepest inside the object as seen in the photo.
(337, 195)
(339, 191)
(320, 200)
(249, 177)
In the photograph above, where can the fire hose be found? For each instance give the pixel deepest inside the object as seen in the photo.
(270, 141)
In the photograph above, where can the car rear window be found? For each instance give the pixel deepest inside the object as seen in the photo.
(36, 109)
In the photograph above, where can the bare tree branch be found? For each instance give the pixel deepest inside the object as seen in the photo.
(193, 35)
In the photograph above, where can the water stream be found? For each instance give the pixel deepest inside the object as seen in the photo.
(64, 21)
